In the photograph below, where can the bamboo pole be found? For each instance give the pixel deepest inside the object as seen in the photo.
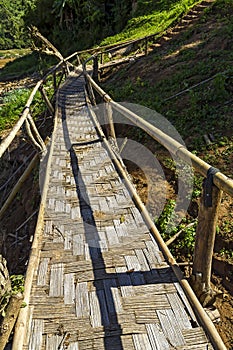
(7, 141)
(91, 92)
(22, 322)
(146, 46)
(9, 320)
(36, 132)
(200, 312)
(109, 120)
(78, 60)
(101, 58)
(173, 238)
(54, 81)
(10, 137)
(48, 47)
(95, 68)
(45, 97)
(204, 247)
(19, 184)
(15, 173)
(220, 180)
(36, 144)
(98, 89)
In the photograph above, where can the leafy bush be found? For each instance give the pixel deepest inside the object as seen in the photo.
(184, 245)
(17, 286)
(13, 104)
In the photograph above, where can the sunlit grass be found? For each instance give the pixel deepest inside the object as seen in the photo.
(162, 16)
(14, 53)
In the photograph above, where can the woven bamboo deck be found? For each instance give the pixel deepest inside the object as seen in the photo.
(102, 282)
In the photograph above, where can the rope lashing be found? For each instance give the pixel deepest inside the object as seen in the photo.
(208, 185)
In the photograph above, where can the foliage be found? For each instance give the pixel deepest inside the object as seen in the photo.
(20, 66)
(17, 286)
(227, 254)
(207, 104)
(13, 104)
(184, 246)
(165, 222)
(28, 64)
(11, 107)
(77, 24)
(13, 32)
(201, 52)
(151, 17)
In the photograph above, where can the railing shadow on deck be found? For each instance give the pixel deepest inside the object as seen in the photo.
(154, 276)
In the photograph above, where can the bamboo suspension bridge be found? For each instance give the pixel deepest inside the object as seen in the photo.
(99, 274)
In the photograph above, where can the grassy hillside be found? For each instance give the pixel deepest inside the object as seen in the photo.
(151, 17)
(188, 78)
(196, 50)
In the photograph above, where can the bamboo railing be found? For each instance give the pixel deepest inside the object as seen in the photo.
(57, 73)
(215, 182)
(208, 212)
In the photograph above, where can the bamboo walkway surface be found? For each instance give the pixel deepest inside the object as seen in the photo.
(102, 282)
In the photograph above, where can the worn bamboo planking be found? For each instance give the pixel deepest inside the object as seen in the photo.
(102, 281)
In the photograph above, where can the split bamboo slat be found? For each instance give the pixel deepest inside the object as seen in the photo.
(95, 281)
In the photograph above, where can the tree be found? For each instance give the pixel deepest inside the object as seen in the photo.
(69, 24)
(78, 24)
(13, 32)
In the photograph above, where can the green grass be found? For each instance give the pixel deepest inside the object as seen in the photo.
(204, 50)
(25, 65)
(12, 105)
(13, 53)
(205, 109)
(151, 17)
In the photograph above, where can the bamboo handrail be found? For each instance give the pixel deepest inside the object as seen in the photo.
(223, 182)
(120, 45)
(7, 141)
(203, 317)
(10, 137)
(208, 213)
(18, 185)
(220, 180)
(21, 326)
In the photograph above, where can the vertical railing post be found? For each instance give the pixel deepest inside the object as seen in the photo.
(102, 58)
(46, 99)
(204, 244)
(89, 86)
(95, 68)
(78, 60)
(55, 81)
(146, 46)
(109, 120)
